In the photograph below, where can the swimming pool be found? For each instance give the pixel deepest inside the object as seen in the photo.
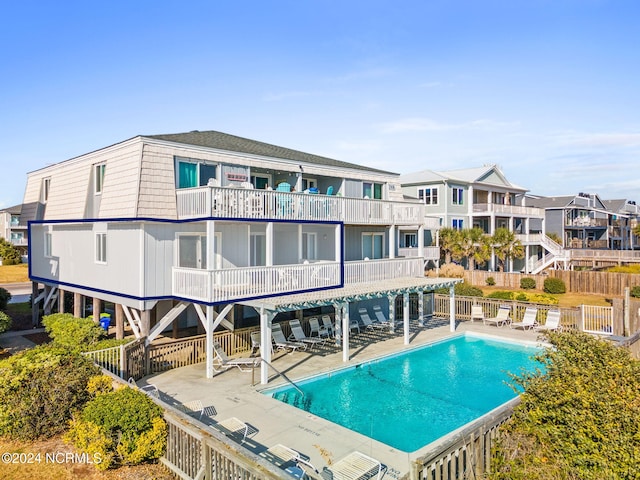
(411, 399)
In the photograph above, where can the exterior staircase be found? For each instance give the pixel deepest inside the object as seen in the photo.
(556, 255)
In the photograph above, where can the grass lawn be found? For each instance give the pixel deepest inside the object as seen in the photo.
(570, 299)
(14, 273)
(65, 470)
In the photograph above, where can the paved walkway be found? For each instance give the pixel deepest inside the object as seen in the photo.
(14, 341)
(232, 394)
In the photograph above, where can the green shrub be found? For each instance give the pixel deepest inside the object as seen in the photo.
(463, 289)
(490, 281)
(554, 285)
(122, 427)
(71, 332)
(579, 417)
(5, 296)
(39, 388)
(527, 283)
(5, 322)
(522, 297)
(635, 291)
(502, 295)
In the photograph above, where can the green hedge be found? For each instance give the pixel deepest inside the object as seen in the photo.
(528, 283)
(579, 417)
(71, 332)
(463, 289)
(554, 286)
(5, 322)
(39, 388)
(122, 427)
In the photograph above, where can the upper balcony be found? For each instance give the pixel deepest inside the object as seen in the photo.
(227, 202)
(510, 210)
(228, 285)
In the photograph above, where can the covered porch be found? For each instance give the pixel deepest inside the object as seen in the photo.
(340, 299)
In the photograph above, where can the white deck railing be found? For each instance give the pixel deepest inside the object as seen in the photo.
(363, 271)
(248, 282)
(501, 209)
(428, 253)
(227, 202)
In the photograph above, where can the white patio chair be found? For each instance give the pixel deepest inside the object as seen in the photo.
(501, 318)
(368, 323)
(327, 324)
(552, 322)
(477, 313)
(528, 320)
(221, 362)
(355, 466)
(381, 317)
(298, 334)
(281, 342)
(235, 428)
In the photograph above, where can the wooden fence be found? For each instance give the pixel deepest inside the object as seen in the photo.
(465, 454)
(598, 283)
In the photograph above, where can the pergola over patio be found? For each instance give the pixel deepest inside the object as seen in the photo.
(339, 298)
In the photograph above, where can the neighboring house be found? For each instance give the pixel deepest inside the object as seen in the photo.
(625, 219)
(581, 221)
(162, 223)
(12, 229)
(479, 197)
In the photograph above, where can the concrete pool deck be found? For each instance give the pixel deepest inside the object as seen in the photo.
(232, 395)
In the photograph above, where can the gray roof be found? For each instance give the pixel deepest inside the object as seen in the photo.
(232, 143)
(463, 175)
(15, 210)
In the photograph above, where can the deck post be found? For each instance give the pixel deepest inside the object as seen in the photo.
(405, 316)
(265, 342)
(77, 305)
(392, 312)
(421, 308)
(346, 331)
(209, 341)
(452, 309)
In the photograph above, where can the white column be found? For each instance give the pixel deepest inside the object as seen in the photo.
(209, 340)
(269, 244)
(300, 241)
(452, 309)
(392, 312)
(405, 317)
(337, 308)
(421, 241)
(392, 241)
(346, 331)
(421, 308)
(211, 252)
(265, 344)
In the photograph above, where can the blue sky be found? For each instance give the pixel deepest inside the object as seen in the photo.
(548, 90)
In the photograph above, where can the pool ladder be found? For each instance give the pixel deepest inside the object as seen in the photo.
(285, 378)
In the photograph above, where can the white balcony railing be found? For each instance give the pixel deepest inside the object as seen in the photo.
(428, 253)
(248, 282)
(363, 271)
(227, 202)
(513, 210)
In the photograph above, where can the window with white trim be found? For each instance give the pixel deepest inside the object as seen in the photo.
(372, 190)
(101, 247)
(309, 246)
(192, 172)
(457, 223)
(99, 177)
(457, 197)
(428, 196)
(46, 185)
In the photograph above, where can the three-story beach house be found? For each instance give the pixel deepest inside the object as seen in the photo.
(480, 197)
(214, 229)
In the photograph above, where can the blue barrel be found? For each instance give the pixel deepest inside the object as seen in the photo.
(105, 321)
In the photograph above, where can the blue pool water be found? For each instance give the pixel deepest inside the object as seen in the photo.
(409, 400)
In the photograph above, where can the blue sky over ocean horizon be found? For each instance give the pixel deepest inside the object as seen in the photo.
(546, 89)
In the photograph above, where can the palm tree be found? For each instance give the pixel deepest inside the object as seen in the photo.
(474, 246)
(506, 246)
(449, 241)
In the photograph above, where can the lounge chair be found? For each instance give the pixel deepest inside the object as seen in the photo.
(221, 362)
(298, 334)
(380, 316)
(327, 324)
(236, 429)
(528, 320)
(368, 323)
(501, 318)
(355, 466)
(288, 459)
(552, 322)
(320, 331)
(477, 313)
(281, 341)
